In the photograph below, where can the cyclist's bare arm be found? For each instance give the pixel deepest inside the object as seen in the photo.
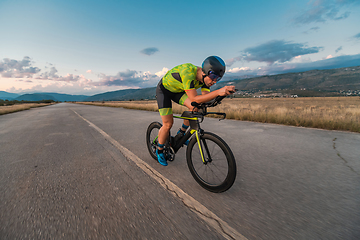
(225, 91)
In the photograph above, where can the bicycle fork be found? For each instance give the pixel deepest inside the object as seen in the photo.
(200, 140)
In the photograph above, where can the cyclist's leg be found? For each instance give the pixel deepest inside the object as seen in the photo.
(165, 129)
(165, 109)
(163, 97)
(162, 136)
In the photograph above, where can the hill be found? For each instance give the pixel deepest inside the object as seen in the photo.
(308, 83)
(330, 82)
(128, 94)
(51, 96)
(7, 96)
(35, 97)
(67, 97)
(326, 80)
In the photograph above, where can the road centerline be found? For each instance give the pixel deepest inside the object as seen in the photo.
(208, 216)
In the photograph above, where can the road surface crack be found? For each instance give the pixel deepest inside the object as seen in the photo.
(344, 160)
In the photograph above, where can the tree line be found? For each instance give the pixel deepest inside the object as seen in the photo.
(12, 102)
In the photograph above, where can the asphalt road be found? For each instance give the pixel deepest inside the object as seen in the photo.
(61, 178)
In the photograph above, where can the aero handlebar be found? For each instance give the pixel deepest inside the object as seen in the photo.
(203, 106)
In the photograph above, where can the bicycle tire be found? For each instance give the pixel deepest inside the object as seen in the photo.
(223, 164)
(151, 134)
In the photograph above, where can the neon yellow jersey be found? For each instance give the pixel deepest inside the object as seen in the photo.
(183, 78)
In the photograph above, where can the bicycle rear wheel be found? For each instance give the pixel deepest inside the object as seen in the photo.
(151, 138)
(218, 172)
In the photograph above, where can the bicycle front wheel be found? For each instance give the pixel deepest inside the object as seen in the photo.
(217, 171)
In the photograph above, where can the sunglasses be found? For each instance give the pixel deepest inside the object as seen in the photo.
(214, 77)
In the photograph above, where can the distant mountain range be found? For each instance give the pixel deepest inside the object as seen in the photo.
(331, 80)
(128, 94)
(7, 95)
(41, 96)
(51, 96)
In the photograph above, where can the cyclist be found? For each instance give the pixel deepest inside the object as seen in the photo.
(179, 84)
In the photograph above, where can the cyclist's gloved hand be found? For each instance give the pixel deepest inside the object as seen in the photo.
(195, 106)
(227, 90)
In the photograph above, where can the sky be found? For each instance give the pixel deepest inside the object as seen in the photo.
(91, 47)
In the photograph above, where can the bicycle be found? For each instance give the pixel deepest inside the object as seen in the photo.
(211, 163)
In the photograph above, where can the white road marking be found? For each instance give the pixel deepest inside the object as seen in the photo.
(209, 217)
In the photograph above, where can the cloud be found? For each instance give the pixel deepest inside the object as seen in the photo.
(128, 79)
(231, 61)
(69, 78)
(21, 80)
(328, 62)
(338, 49)
(10, 68)
(324, 10)
(236, 70)
(357, 36)
(52, 76)
(14, 69)
(274, 51)
(149, 51)
(49, 75)
(162, 72)
(50, 80)
(313, 29)
(329, 56)
(127, 74)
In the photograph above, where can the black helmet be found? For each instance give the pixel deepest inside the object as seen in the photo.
(214, 64)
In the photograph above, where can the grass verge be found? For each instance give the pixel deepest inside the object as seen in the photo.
(332, 113)
(20, 107)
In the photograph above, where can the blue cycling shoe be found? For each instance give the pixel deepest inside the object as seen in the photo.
(161, 158)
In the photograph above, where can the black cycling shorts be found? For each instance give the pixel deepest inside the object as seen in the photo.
(164, 98)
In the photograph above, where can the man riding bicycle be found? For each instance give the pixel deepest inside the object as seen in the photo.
(179, 85)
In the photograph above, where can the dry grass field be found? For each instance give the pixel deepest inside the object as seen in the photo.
(333, 113)
(20, 107)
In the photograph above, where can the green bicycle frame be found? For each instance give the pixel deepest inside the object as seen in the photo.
(194, 128)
